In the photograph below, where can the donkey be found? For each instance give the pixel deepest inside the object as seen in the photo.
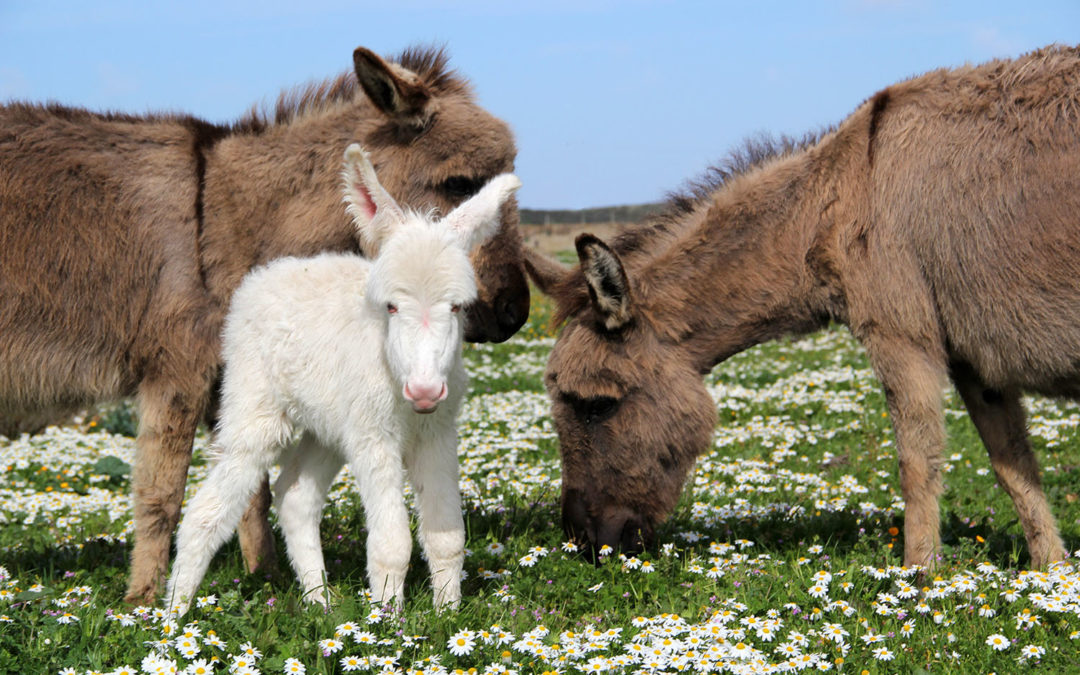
(364, 358)
(122, 239)
(940, 222)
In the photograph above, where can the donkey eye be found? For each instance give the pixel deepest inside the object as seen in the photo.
(391, 308)
(460, 187)
(455, 308)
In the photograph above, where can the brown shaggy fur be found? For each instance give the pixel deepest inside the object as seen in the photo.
(122, 239)
(940, 222)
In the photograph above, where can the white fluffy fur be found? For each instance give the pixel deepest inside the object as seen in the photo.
(317, 368)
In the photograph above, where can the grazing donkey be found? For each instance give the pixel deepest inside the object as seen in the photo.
(124, 237)
(940, 222)
(347, 352)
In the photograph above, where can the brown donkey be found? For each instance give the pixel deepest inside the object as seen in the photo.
(122, 239)
(940, 222)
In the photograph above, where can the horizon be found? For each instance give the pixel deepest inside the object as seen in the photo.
(610, 103)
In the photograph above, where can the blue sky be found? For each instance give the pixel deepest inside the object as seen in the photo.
(610, 102)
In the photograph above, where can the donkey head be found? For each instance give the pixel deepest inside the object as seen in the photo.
(436, 148)
(630, 409)
(421, 276)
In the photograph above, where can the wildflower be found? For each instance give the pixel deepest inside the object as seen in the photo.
(1031, 652)
(292, 666)
(461, 642)
(605, 550)
(569, 547)
(200, 667)
(212, 640)
(495, 548)
(883, 654)
(595, 587)
(527, 560)
(834, 632)
(241, 662)
(363, 637)
(206, 601)
(349, 663)
(998, 642)
(67, 617)
(250, 651)
(330, 645)
(647, 567)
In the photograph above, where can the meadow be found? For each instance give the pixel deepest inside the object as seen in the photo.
(783, 555)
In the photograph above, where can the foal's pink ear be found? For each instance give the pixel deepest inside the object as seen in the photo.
(478, 218)
(609, 288)
(397, 92)
(374, 212)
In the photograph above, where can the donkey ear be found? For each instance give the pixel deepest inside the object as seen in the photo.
(609, 289)
(374, 212)
(547, 273)
(397, 92)
(477, 219)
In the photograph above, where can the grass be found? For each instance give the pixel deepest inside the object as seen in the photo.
(783, 554)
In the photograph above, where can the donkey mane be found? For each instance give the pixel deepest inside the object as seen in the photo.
(431, 64)
(661, 229)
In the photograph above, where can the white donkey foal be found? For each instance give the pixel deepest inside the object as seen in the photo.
(348, 352)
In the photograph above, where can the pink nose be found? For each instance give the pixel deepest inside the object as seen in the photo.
(425, 397)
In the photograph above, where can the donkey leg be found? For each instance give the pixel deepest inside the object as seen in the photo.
(433, 472)
(307, 471)
(256, 537)
(212, 517)
(377, 468)
(1002, 425)
(913, 378)
(167, 422)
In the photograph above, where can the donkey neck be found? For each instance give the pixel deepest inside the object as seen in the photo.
(736, 274)
(276, 190)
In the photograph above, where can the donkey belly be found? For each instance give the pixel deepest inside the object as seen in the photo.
(97, 253)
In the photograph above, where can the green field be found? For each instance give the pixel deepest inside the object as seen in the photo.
(782, 556)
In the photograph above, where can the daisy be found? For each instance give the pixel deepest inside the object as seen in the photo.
(461, 643)
(1031, 652)
(350, 663)
(292, 666)
(330, 645)
(883, 654)
(200, 667)
(998, 642)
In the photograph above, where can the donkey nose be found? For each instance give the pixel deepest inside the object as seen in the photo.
(425, 396)
(623, 529)
(512, 310)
